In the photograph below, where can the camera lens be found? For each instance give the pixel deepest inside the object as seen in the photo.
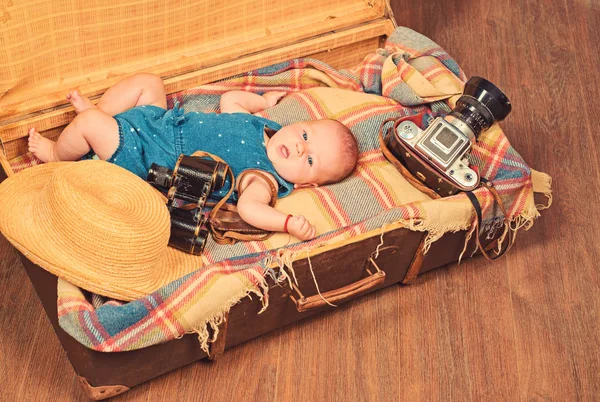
(481, 104)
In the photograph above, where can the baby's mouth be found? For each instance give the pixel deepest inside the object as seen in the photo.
(284, 152)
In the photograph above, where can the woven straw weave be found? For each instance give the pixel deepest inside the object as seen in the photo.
(49, 46)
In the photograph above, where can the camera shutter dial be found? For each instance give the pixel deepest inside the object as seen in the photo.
(407, 130)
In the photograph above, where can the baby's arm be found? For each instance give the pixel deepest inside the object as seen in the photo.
(248, 102)
(253, 206)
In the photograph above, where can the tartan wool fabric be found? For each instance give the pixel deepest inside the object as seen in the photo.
(410, 75)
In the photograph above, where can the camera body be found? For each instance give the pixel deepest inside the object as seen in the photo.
(188, 187)
(438, 155)
(445, 146)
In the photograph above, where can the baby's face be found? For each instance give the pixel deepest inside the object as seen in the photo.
(306, 152)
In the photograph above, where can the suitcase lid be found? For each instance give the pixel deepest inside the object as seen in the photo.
(48, 48)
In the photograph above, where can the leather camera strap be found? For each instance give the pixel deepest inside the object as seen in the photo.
(477, 206)
(399, 166)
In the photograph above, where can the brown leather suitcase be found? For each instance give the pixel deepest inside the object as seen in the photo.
(339, 33)
(107, 374)
(346, 276)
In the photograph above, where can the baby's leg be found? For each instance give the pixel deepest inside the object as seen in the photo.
(94, 127)
(91, 129)
(138, 90)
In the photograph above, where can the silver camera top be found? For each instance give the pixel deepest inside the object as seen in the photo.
(445, 144)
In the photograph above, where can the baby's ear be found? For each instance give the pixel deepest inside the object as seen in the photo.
(305, 185)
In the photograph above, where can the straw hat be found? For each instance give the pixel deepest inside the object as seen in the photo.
(95, 225)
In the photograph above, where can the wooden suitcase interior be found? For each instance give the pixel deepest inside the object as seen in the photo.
(185, 49)
(340, 33)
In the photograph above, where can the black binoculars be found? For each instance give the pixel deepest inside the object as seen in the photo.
(189, 184)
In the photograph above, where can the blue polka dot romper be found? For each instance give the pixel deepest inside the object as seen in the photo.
(150, 134)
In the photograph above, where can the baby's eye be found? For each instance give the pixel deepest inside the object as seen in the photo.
(305, 136)
(310, 161)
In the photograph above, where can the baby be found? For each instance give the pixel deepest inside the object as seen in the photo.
(131, 127)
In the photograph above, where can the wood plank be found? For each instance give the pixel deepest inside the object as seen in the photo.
(33, 365)
(551, 273)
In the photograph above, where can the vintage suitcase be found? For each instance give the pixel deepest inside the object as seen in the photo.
(188, 45)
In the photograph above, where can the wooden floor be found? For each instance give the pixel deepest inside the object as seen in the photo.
(526, 327)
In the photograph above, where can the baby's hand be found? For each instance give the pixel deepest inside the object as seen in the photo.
(273, 97)
(301, 228)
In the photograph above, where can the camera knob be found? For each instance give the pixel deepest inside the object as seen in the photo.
(468, 176)
(407, 130)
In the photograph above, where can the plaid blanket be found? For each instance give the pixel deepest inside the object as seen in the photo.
(410, 75)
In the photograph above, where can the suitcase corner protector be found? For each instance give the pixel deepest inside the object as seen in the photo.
(102, 392)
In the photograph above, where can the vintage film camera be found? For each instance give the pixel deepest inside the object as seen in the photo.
(188, 186)
(445, 144)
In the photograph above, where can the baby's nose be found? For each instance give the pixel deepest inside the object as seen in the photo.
(300, 148)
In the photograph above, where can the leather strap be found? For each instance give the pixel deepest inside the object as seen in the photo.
(234, 231)
(399, 166)
(415, 266)
(477, 206)
(263, 176)
(217, 348)
(228, 227)
(232, 237)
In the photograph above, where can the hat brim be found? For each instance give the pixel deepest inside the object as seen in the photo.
(20, 224)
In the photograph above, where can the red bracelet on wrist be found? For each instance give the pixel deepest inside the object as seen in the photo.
(285, 224)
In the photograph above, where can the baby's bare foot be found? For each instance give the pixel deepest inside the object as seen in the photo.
(41, 147)
(79, 102)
